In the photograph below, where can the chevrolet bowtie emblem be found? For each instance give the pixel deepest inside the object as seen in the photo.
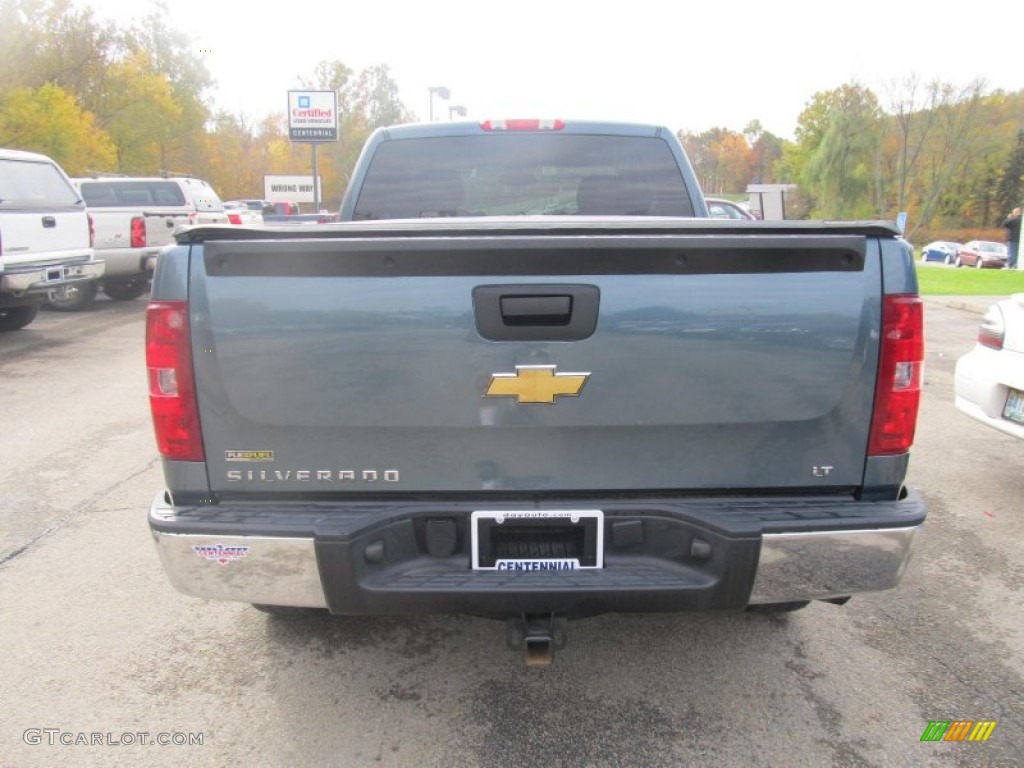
(536, 384)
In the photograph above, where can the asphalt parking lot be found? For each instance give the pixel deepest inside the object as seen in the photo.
(102, 660)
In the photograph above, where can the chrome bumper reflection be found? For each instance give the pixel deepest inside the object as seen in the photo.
(45, 279)
(820, 565)
(252, 569)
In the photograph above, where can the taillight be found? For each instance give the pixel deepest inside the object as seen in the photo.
(138, 232)
(193, 218)
(992, 330)
(522, 125)
(898, 392)
(235, 218)
(92, 231)
(172, 395)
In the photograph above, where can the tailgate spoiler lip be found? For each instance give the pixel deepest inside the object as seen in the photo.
(492, 226)
(600, 253)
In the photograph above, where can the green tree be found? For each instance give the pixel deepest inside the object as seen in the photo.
(963, 157)
(53, 41)
(1011, 181)
(767, 150)
(182, 143)
(49, 120)
(141, 114)
(377, 98)
(837, 148)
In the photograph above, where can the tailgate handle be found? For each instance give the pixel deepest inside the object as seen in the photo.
(536, 312)
(49, 222)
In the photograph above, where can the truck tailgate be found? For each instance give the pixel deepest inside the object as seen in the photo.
(536, 362)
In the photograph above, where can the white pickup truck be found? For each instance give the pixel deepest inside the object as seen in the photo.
(45, 237)
(134, 218)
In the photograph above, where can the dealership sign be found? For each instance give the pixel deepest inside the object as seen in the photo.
(313, 116)
(290, 189)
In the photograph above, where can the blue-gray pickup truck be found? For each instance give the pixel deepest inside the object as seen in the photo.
(526, 377)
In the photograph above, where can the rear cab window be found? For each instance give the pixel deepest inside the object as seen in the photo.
(517, 174)
(105, 194)
(33, 184)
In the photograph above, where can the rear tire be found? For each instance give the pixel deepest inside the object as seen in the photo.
(16, 318)
(126, 289)
(958, 262)
(80, 296)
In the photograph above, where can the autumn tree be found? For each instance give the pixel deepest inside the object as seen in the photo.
(144, 85)
(1011, 182)
(722, 159)
(49, 120)
(56, 42)
(181, 143)
(766, 149)
(139, 110)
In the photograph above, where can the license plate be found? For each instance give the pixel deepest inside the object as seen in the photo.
(537, 540)
(1014, 408)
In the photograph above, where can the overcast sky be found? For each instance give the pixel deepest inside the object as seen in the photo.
(686, 65)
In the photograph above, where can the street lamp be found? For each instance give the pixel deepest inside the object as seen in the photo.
(460, 111)
(438, 90)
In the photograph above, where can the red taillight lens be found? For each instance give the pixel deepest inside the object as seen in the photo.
(992, 330)
(92, 231)
(898, 393)
(522, 125)
(235, 218)
(172, 396)
(138, 232)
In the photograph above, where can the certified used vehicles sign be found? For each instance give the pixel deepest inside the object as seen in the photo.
(312, 116)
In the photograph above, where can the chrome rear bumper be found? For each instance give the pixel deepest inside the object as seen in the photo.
(285, 570)
(38, 280)
(818, 566)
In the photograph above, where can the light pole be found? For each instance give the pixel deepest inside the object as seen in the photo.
(438, 90)
(460, 111)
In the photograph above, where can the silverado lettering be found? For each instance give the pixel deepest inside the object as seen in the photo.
(308, 475)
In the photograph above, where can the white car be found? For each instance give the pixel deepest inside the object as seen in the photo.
(720, 208)
(241, 212)
(989, 380)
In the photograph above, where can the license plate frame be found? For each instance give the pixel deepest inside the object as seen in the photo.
(1013, 408)
(487, 526)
